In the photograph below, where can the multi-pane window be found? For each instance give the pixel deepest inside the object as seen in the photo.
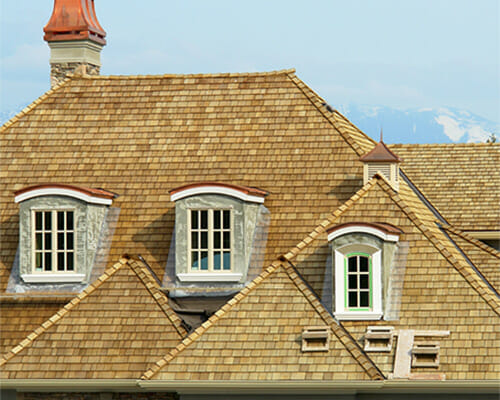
(54, 241)
(210, 240)
(358, 281)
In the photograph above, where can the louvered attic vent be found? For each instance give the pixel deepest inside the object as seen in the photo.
(425, 354)
(379, 338)
(315, 338)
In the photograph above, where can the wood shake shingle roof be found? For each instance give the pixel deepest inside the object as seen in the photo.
(143, 136)
(256, 336)
(110, 330)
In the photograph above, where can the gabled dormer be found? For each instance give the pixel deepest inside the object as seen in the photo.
(59, 229)
(214, 231)
(381, 160)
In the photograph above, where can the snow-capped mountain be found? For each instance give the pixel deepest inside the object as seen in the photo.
(424, 125)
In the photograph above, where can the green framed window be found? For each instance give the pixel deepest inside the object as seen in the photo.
(358, 282)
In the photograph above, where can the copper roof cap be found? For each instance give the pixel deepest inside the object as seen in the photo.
(380, 153)
(74, 20)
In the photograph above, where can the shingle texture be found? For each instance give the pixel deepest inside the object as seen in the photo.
(441, 291)
(140, 137)
(257, 336)
(111, 330)
(461, 180)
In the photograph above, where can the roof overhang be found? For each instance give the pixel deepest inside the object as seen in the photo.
(253, 387)
(244, 193)
(93, 196)
(383, 231)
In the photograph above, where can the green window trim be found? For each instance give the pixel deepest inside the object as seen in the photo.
(370, 282)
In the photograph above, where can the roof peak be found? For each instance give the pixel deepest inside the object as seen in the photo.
(381, 153)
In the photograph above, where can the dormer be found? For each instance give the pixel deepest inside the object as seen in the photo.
(59, 227)
(214, 230)
(383, 161)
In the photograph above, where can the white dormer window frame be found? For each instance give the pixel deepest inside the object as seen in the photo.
(358, 271)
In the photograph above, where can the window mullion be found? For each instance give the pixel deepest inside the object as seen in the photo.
(53, 217)
(210, 240)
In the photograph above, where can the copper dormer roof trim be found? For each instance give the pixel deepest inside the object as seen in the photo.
(89, 195)
(380, 229)
(241, 192)
(74, 20)
(380, 153)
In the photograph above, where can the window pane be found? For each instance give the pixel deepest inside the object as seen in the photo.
(227, 240)
(363, 281)
(216, 240)
(60, 261)
(39, 221)
(204, 240)
(227, 260)
(194, 240)
(217, 219)
(70, 257)
(60, 220)
(227, 219)
(69, 220)
(194, 260)
(353, 281)
(60, 241)
(204, 260)
(353, 299)
(38, 261)
(352, 264)
(48, 221)
(48, 241)
(217, 260)
(363, 264)
(69, 241)
(194, 219)
(364, 299)
(39, 241)
(48, 261)
(204, 219)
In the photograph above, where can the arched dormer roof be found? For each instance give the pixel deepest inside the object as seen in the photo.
(89, 195)
(244, 193)
(382, 230)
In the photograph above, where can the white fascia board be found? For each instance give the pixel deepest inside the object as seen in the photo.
(209, 277)
(358, 316)
(222, 190)
(363, 229)
(62, 192)
(53, 278)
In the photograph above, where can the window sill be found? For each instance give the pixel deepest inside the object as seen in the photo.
(358, 315)
(53, 278)
(210, 277)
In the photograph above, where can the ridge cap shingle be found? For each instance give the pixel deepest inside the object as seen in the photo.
(472, 240)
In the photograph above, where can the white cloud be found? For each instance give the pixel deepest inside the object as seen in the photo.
(451, 127)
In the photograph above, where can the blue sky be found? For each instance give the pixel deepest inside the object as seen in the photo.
(439, 53)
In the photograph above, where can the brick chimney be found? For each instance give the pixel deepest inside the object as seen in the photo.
(75, 38)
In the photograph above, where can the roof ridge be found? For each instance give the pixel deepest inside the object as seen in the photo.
(345, 338)
(34, 104)
(321, 227)
(318, 102)
(193, 75)
(193, 336)
(147, 279)
(472, 240)
(62, 312)
(481, 144)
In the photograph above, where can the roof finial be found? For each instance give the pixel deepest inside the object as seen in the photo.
(381, 134)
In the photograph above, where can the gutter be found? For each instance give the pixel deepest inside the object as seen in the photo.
(253, 387)
(322, 387)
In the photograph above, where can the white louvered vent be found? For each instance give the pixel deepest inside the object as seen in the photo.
(379, 167)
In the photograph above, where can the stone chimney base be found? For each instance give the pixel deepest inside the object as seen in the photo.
(59, 71)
